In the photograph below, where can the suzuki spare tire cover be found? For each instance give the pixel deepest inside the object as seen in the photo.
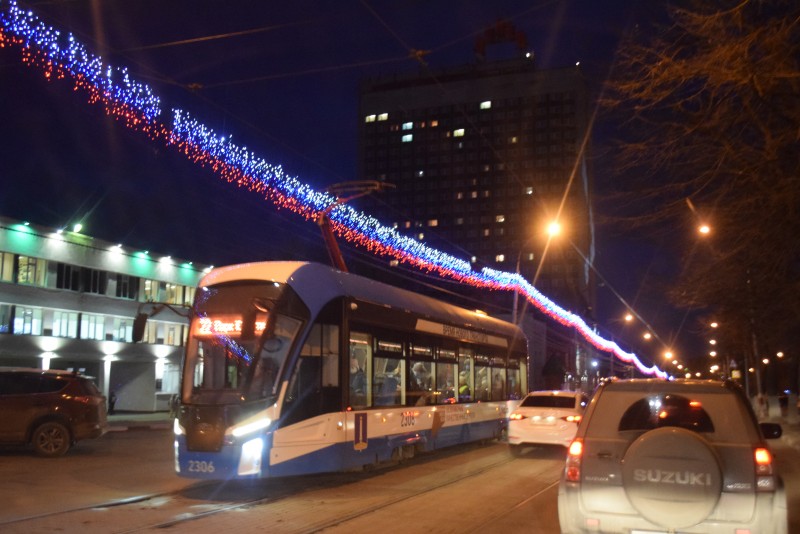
(672, 477)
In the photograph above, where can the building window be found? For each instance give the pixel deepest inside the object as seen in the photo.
(28, 321)
(529, 190)
(5, 318)
(65, 324)
(122, 330)
(500, 218)
(408, 138)
(95, 281)
(6, 266)
(459, 132)
(433, 222)
(68, 277)
(486, 104)
(173, 294)
(93, 327)
(500, 258)
(408, 125)
(459, 221)
(31, 271)
(434, 123)
(383, 117)
(369, 118)
(487, 232)
(152, 291)
(188, 295)
(127, 286)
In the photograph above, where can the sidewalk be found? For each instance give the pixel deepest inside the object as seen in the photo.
(121, 421)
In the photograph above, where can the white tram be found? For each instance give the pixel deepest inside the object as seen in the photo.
(294, 368)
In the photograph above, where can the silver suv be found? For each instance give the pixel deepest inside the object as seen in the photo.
(665, 456)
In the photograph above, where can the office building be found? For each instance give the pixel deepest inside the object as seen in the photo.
(68, 301)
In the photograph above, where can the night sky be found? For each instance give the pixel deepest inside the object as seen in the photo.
(282, 78)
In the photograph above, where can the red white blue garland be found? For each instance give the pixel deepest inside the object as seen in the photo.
(134, 103)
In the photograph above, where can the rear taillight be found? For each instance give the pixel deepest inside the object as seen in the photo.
(572, 419)
(763, 462)
(516, 416)
(572, 471)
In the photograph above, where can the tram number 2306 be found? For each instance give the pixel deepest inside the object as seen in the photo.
(408, 419)
(196, 466)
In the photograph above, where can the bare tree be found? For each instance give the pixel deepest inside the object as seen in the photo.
(710, 111)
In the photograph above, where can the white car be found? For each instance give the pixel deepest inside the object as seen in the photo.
(545, 418)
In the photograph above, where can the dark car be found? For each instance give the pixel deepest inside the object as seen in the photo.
(50, 410)
(671, 456)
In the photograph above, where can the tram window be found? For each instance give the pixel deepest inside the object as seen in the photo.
(388, 381)
(514, 385)
(465, 377)
(445, 392)
(498, 384)
(418, 350)
(482, 383)
(359, 369)
(420, 383)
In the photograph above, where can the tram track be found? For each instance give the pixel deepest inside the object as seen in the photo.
(181, 510)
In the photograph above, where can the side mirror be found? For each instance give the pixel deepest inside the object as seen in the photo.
(771, 430)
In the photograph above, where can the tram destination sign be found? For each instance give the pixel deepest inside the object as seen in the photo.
(460, 333)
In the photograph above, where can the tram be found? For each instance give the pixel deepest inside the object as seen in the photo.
(295, 368)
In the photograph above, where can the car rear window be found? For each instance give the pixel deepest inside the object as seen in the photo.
(548, 401)
(666, 410)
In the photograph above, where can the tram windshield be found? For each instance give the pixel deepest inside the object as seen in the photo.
(238, 344)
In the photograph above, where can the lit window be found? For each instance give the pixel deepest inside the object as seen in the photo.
(486, 232)
(433, 222)
(474, 194)
(473, 259)
(500, 218)
(529, 190)
(512, 140)
(500, 258)
(408, 125)
(420, 236)
(408, 138)
(459, 220)
(383, 117)
(420, 173)
(487, 104)
(407, 224)
(459, 132)
(460, 195)
(434, 123)
(369, 118)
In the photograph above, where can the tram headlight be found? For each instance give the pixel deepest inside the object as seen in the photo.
(177, 429)
(250, 460)
(248, 428)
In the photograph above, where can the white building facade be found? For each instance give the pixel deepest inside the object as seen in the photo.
(68, 301)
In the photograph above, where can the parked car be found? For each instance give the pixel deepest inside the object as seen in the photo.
(545, 418)
(49, 410)
(671, 456)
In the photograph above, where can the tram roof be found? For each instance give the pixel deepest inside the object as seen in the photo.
(318, 284)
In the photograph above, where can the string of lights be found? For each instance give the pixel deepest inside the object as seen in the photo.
(134, 104)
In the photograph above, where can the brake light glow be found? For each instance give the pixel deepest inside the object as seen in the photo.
(763, 462)
(572, 471)
(572, 419)
(516, 416)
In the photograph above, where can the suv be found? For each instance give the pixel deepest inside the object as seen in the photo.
(50, 410)
(665, 456)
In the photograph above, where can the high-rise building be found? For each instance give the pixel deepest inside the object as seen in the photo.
(482, 158)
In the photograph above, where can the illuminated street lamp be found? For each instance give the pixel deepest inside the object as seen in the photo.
(647, 336)
(628, 317)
